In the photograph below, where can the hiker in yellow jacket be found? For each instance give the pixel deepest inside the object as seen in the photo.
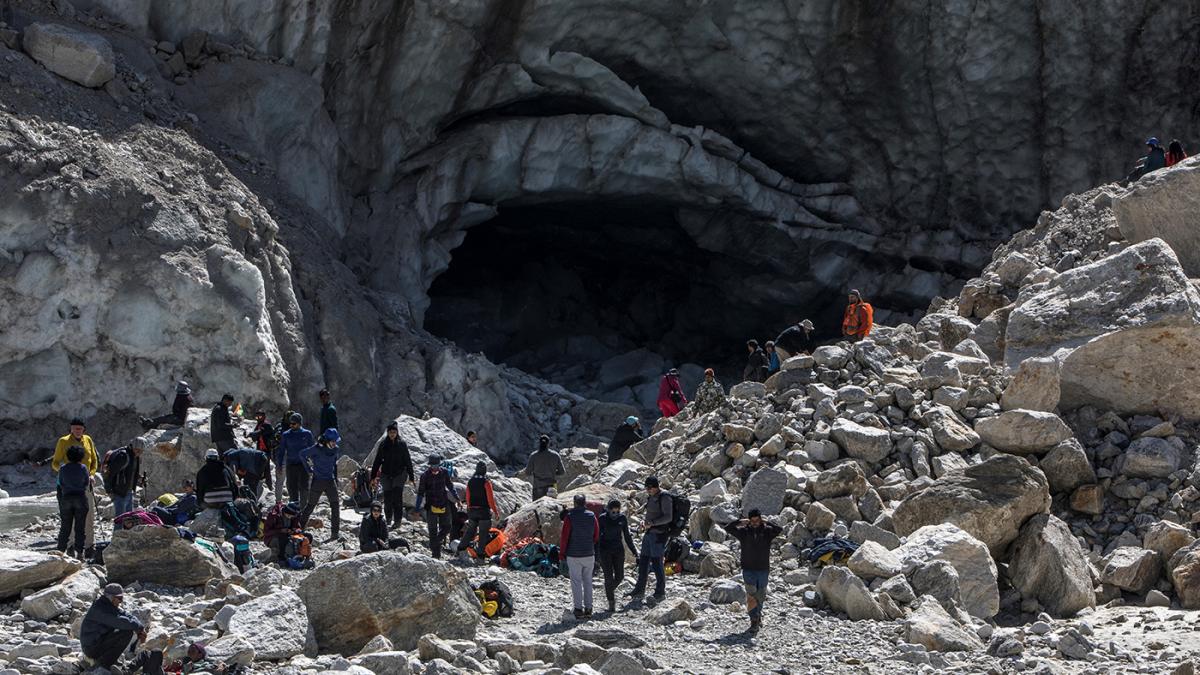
(92, 461)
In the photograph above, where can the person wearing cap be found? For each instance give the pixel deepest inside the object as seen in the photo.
(670, 394)
(481, 507)
(329, 417)
(858, 318)
(436, 491)
(756, 363)
(543, 468)
(121, 469)
(795, 340)
(292, 442)
(281, 522)
(660, 512)
(1155, 159)
(221, 425)
(216, 485)
(107, 630)
(252, 466)
(755, 536)
(626, 435)
(391, 468)
(321, 459)
(91, 460)
(610, 549)
(577, 547)
(710, 395)
(73, 507)
(179, 407)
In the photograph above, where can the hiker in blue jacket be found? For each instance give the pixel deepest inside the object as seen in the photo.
(321, 459)
(291, 443)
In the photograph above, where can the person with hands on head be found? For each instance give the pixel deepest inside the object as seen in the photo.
(755, 535)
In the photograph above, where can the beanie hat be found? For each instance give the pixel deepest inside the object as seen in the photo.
(754, 513)
(854, 291)
(114, 591)
(580, 500)
(331, 435)
(651, 481)
(807, 323)
(614, 504)
(296, 418)
(631, 420)
(435, 459)
(182, 387)
(77, 423)
(393, 425)
(480, 468)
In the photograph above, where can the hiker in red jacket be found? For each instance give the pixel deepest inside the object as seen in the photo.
(670, 394)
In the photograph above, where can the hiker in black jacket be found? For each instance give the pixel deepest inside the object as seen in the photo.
(391, 468)
(610, 550)
(121, 469)
(373, 533)
(755, 535)
(252, 466)
(106, 631)
(215, 482)
(73, 507)
(481, 507)
(436, 491)
(221, 425)
(626, 435)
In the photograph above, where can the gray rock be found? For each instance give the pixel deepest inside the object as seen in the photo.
(230, 649)
(727, 591)
(861, 442)
(898, 589)
(938, 579)
(872, 560)
(1023, 431)
(843, 479)
(389, 662)
(831, 356)
(29, 570)
(847, 594)
(76, 591)
(669, 611)
(1131, 569)
(1047, 564)
(969, 557)
(276, 626)
(1034, 386)
(930, 625)
(949, 431)
(159, 555)
(1067, 467)
(861, 532)
(1150, 457)
(1165, 538)
(765, 491)
(82, 57)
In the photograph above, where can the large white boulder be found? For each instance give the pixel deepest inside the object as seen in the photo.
(75, 592)
(82, 57)
(1023, 431)
(869, 444)
(21, 570)
(970, 558)
(1047, 564)
(158, 555)
(275, 625)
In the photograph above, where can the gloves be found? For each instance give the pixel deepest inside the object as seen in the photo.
(562, 568)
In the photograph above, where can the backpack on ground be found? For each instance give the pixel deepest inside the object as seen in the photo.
(495, 591)
(235, 521)
(363, 495)
(134, 518)
(830, 551)
(676, 549)
(297, 552)
(494, 546)
(242, 557)
(681, 510)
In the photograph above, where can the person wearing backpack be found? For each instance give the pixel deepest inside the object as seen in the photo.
(543, 468)
(282, 521)
(391, 468)
(610, 549)
(322, 460)
(577, 548)
(252, 466)
(481, 506)
(436, 491)
(91, 460)
(73, 485)
(292, 442)
(659, 518)
(216, 485)
(755, 536)
(121, 468)
(859, 317)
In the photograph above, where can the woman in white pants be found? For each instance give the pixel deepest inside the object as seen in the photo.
(577, 546)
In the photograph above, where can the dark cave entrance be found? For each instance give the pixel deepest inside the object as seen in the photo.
(560, 290)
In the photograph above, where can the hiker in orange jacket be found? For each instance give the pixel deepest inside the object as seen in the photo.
(859, 317)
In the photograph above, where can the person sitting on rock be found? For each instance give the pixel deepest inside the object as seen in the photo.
(610, 549)
(322, 460)
(221, 425)
(291, 443)
(373, 533)
(1175, 152)
(392, 467)
(626, 435)
(436, 491)
(121, 469)
(1154, 160)
(756, 364)
(252, 466)
(216, 485)
(795, 340)
(710, 395)
(197, 661)
(282, 521)
(858, 318)
(481, 507)
(755, 535)
(329, 418)
(543, 468)
(772, 358)
(670, 394)
(107, 630)
(73, 507)
(178, 415)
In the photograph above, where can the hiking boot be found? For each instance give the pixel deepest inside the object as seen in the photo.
(755, 623)
(660, 597)
(587, 612)
(578, 614)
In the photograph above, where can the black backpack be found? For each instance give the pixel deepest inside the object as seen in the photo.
(681, 510)
(504, 597)
(363, 494)
(676, 549)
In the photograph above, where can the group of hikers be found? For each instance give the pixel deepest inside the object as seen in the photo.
(1156, 158)
(300, 466)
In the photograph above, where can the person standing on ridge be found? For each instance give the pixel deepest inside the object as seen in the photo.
(670, 394)
(391, 468)
(90, 460)
(1175, 153)
(543, 468)
(626, 435)
(755, 536)
(660, 512)
(859, 317)
(756, 363)
(481, 507)
(577, 548)
(610, 550)
(1154, 160)
(710, 395)
(436, 491)
(179, 408)
(329, 418)
(291, 443)
(322, 459)
(221, 425)
(795, 340)
(772, 358)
